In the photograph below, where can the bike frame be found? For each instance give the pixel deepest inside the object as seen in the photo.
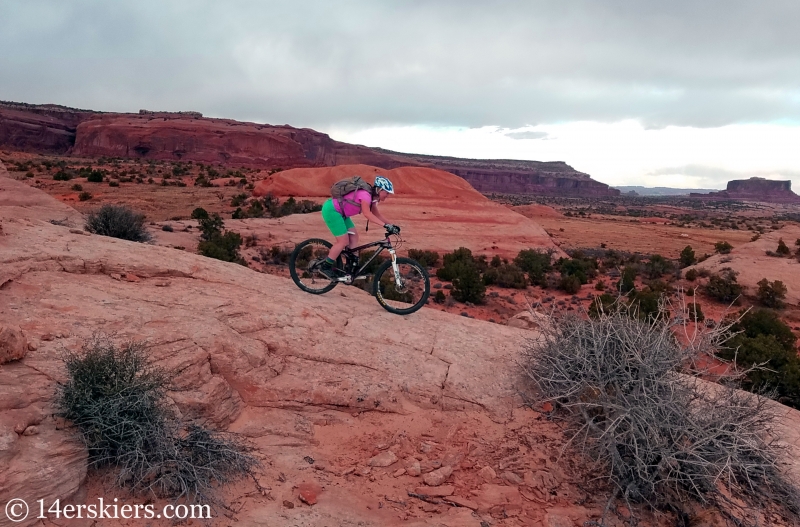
(382, 244)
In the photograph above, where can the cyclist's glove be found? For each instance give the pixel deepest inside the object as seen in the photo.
(391, 229)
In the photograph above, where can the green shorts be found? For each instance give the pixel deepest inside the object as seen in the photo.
(335, 222)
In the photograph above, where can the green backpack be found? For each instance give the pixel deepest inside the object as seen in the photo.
(341, 188)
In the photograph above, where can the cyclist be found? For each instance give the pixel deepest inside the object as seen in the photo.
(342, 227)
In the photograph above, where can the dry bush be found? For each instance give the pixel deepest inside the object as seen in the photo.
(118, 221)
(116, 400)
(658, 436)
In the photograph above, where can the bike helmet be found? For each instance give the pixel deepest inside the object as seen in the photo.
(382, 183)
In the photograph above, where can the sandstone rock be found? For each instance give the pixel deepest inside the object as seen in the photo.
(399, 472)
(429, 465)
(384, 459)
(444, 490)
(13, 344)
(31, 431)
(437, 477)
(463, 502)
(557, 520)
(413, 467)
(487, 473)
(511, 478)
(528, 320)
(490, 495)
(308, 492)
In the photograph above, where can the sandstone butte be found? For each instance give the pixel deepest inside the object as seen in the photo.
(320, 385)
(436, 210)
(189, 136)
(755, 189)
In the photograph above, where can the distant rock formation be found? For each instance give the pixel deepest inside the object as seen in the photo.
(755, 189)
(187, 136)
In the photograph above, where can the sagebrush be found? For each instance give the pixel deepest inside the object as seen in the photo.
(658, 436)
(116, 399)
(118, 221)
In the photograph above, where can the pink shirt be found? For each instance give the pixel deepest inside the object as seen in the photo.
(358, 196)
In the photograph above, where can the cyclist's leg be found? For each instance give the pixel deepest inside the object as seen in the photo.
(338, 227)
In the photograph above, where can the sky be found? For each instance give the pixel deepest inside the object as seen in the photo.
(682, 93)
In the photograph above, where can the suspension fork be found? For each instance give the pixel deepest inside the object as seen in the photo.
(397, 278)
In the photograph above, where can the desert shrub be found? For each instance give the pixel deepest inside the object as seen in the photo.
(581, 268)
(238, 199)
(783, 249)
(600, 286)
(661, 439)
(167, 228)
(426, 258)
(116, 399)
(724, 287)
(85, 196)
(374, 264)
(570, 284)
(452, 261)
(657, 266)
(691, 275)
(76, 187)
(506, 275)
(536, 263)
(496, 261)
(216, 244)
(277, 255)
(695, 311)
(771, 294)
(764, 340)
(467, 283)
(645, 305)
(723, 247)
(199, 213)
(62, 175)
(118, 221)
(439, 297)
(604, 303)
(627, 282)
(95, 176)
(687, 256)
(113, 183)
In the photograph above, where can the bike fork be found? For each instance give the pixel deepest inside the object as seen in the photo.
(397, 279)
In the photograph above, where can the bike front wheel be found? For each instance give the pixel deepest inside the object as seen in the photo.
(403, 292)
(304, 266)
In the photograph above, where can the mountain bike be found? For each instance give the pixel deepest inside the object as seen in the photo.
(401, 285)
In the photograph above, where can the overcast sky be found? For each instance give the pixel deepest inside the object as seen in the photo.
(668, 93)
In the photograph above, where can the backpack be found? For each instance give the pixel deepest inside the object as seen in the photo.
(341, 188)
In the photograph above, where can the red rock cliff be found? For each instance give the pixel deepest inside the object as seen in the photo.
(189, 136)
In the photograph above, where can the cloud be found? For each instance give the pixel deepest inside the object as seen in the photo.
(527, 135)
(446, 63)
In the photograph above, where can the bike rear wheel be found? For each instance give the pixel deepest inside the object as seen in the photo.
(403, 294)
(304, 266)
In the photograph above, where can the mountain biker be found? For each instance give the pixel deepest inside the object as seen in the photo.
(342, 227)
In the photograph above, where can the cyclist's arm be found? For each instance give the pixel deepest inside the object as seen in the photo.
(372, 215)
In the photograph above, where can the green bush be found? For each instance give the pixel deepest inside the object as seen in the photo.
(723, 247)
(783, 249)
(578, 266)
(199, 213)
(506, 275)
(95, 176)
(215, 244)
(116, 398)
(536, 263)
(451, 261)
(439, 297)
(771, 294)
(238, 199)
(85, 196)
(645, 305)
(62, 175)
(570, 284)
(695, 312)
(604, 303)
(691, 275)
(467, 283)
(687, 256)
(627, 282)
(374, 264)
(724, 288)
(76, 187)
(426, 258)
(764, 340)
(118, 221)
(657, 266)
